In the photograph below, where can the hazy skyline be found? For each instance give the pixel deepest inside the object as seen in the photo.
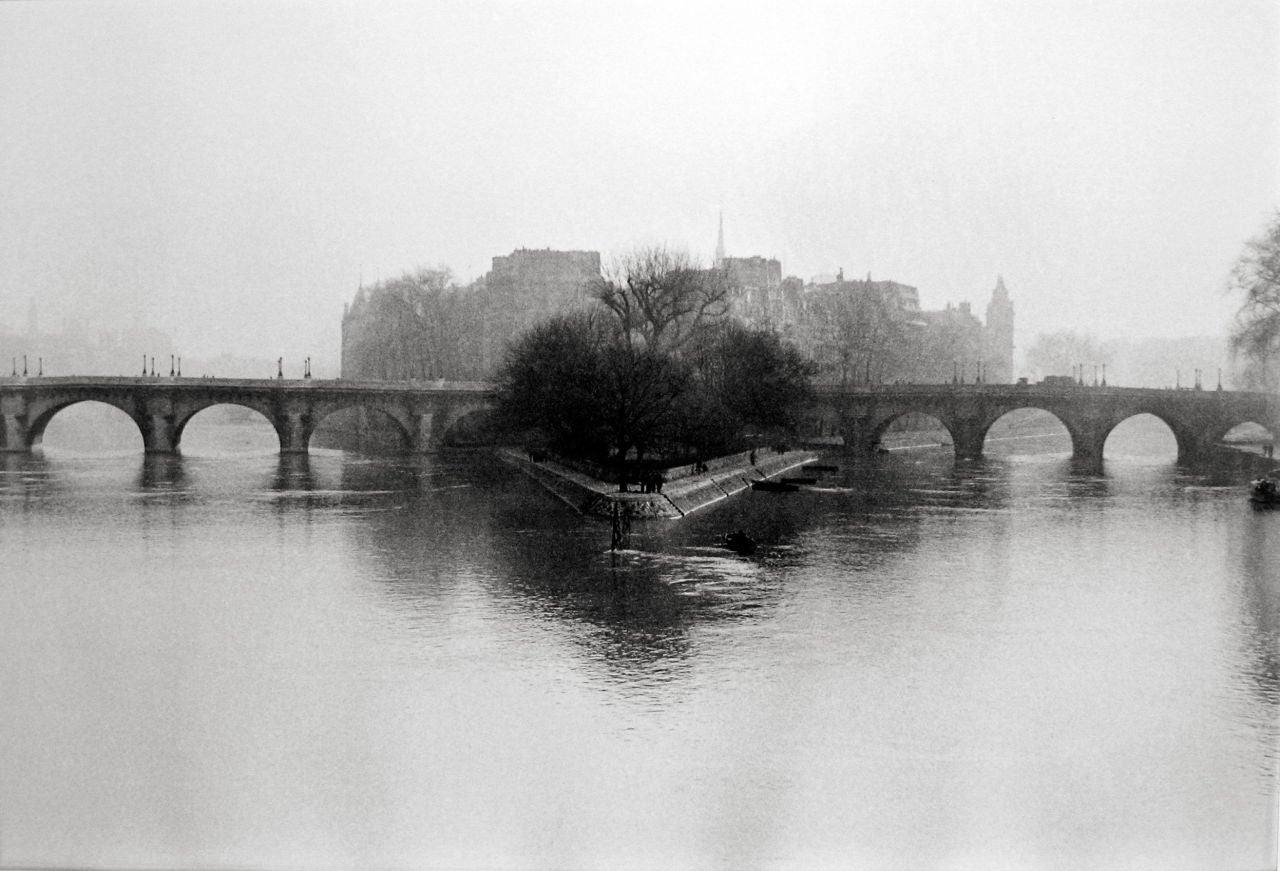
(231, 172)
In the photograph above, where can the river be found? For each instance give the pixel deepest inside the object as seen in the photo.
(233, 659)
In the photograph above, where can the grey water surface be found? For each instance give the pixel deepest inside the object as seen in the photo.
(236, 659)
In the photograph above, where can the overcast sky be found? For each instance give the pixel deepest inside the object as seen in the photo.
(230, 172)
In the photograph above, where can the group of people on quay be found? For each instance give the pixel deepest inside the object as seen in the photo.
(650, 482)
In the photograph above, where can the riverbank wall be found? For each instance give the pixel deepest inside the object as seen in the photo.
(1247, 458)
(685, 490)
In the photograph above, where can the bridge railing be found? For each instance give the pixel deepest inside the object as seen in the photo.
(1029, 390)
(256, 383)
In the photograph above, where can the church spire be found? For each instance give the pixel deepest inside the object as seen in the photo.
(720, 242)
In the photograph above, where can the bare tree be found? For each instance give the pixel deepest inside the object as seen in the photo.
(867, 339)
(420, 325)
(660, 298)
(1256, 333)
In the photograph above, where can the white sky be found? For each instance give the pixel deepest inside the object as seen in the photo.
(230, 172)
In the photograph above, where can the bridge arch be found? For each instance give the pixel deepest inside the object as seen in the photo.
(402, 425)
(1044, 420)
(1257, 433)
(884, 425)
(183, 421)
(43, 416)
(822, 420)
(183, 411)
(1195, 438)
(472, 425)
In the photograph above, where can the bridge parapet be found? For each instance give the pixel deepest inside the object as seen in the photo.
(823, 390)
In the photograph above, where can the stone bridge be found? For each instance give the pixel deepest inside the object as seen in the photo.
(425, 412)
(1198, 418)
(162, 407)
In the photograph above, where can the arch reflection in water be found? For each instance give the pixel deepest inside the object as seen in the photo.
(25, 478)
(293, 473)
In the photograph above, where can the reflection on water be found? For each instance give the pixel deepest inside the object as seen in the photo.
(329, 660)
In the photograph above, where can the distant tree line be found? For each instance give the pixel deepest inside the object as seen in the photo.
(1255, 336)
(860, 333)
(415, 327)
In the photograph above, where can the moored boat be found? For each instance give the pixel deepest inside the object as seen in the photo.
(774, 486)
(740, 543)
(1266, 490)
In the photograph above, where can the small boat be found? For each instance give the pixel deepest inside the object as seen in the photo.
(820, 467)
(799, 480)
(740, 543)
(1266, 490)
(774, 486)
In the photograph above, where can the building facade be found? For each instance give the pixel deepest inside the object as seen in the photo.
(526, 286)
(998, 336)
(421, 326)
(858, 331)
(868, 331)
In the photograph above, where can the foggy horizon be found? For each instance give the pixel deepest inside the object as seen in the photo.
(230, 174)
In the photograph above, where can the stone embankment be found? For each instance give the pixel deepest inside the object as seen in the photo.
(684, 490)
(1247, 456)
